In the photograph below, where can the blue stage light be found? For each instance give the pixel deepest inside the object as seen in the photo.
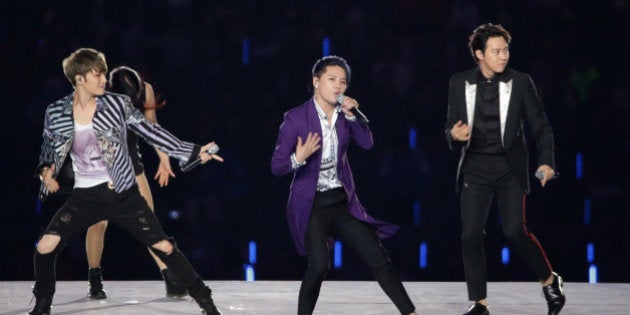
(590, 253)
(245, 51)
(423, 257)
(326, 46)
(338, 255)
(250, 273)
(412, 138)
(416, 213)
(505, 255)
(174, 214)
(592, 273)
(252, 252)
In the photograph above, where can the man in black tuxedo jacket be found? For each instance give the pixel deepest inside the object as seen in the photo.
(487, 106)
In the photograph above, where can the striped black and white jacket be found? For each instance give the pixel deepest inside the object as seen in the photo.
(114, 116)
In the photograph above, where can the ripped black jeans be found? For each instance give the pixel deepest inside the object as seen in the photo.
(129, 210)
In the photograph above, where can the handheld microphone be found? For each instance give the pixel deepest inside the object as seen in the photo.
(213, 149)
(355, 111)
(540, 175)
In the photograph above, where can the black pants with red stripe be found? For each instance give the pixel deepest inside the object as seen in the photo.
(484, 178)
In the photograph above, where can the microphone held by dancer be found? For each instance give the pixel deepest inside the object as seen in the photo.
(355, 111)
(212, 150)
(540, 175)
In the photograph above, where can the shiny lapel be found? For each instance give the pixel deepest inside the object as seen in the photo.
(471, 96)
(505, 91)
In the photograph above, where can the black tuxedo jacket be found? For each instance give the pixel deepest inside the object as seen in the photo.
(518, 102)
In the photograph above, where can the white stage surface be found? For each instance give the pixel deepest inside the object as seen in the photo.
(337, 297)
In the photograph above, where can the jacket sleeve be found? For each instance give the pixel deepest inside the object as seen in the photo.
(539, 124)
(361, 134)
(157, 136)
(285, 146)
(453, 114)
(47, 153)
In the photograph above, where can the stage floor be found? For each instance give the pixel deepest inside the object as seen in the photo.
(337, 297)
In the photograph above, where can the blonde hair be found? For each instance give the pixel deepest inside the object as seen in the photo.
(81, 62)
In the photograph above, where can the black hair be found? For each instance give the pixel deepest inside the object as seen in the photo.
(479, 37)
(320, 66)
(124, 80)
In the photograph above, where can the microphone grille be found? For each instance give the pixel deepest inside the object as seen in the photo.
(213, 149)
(340, 98)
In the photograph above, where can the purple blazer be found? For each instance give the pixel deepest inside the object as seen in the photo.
(299, 121)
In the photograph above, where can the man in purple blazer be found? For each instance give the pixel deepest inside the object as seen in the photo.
(312, 144)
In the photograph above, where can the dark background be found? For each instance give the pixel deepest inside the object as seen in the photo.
(401, 52)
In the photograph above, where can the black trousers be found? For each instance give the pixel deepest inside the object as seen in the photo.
(330, 215)
(129, 209)
(486, 177)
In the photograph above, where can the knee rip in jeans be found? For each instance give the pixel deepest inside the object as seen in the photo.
(47, 250)
(157, 246)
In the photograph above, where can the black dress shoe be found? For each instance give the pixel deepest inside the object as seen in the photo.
(42, 306)
(554, 294)
(478, 309)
